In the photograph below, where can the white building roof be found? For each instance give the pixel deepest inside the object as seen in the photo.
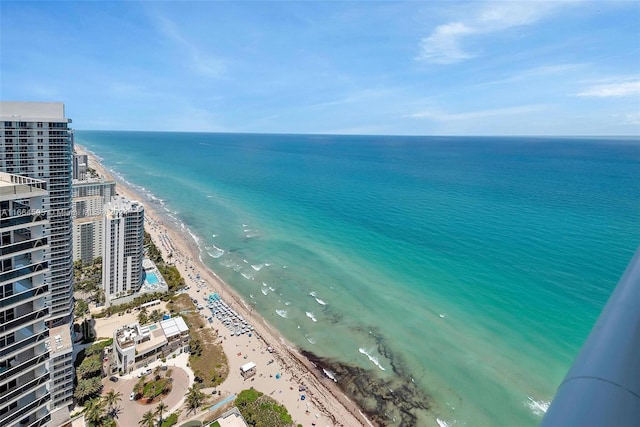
(247, 366)
(15, 111)
(173, 326)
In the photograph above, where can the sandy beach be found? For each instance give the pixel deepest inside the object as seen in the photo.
(282, 371)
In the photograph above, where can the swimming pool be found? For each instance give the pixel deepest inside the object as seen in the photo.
(152, 279)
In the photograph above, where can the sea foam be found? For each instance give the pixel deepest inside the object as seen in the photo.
(282, 313)
(373, 359)
(214, 251)
(538, 407)
(311, 316)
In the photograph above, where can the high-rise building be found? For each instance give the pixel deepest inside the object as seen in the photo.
(122, 272)
(36, 142)
(24, 310)
(80, 166)
(89, 198)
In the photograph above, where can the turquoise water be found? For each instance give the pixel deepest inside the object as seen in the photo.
(151, 278)
(473, 268)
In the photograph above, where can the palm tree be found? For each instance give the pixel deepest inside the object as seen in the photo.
(156, 373)
(148, 420)
(142, 316)
(138, 389)
(194, 397)
(112, 398)
(160, 409)
(114, 412)
(168, 374)
(95, 411)
(155, 316)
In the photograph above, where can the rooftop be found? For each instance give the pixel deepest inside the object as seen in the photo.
(92, 181)
(11, 185)
(122, 204)
(127, 335)
(30, 111)
(174, 326)
(156, 340)
(60, 339)
(232, 418)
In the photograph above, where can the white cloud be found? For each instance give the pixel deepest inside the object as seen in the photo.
(541, 71)
(625, 88)
(201, 63)
(632, 119)
(440, 116)
(443, 46)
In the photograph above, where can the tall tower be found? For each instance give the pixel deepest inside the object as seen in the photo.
(122, 272)
(89, 197)
(36, 142)
(24, 312)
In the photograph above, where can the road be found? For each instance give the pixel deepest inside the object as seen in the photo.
(132, 411)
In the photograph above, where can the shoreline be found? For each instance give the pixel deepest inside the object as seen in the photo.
(324, 395)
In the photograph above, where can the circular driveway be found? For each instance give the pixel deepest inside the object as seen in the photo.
(132, 411)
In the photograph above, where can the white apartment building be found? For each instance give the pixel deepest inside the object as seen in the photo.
(24, 311)
(135, 346)
(89, 199)
(122, 272)
(36, 142)
(80, 166)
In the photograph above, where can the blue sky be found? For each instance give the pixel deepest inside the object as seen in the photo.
(425, 68)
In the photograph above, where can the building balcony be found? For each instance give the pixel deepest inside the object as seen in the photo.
(22, 366)
(25, 245)
(22, 411)
(24, 389)
(21, 297)
(23, 345)
(24, 271)
(24, 320)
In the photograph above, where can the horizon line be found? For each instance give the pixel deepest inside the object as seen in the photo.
(367, 134)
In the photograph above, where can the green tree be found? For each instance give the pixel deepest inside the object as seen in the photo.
(155, 316)
(194, 397)
(156, 373)
(96, 412)
(138, 389)
(82, 308)
(89, 367)
(112, 398)
(148, 420)
(87, 388)
(160, 410)
(143, 317)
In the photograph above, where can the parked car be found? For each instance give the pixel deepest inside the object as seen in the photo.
(163, 367)
(113, 379)
(132, 396)
(144, 372)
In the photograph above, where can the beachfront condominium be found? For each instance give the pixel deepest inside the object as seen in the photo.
(24, 310)
(89, 199)
(122, 272)
(80, 166)
(36, 142)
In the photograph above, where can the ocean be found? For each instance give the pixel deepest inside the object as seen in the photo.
(450, 278)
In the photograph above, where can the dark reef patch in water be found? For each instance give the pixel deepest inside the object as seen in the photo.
(392, 401)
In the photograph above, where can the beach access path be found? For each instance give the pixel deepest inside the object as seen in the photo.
(324, 403)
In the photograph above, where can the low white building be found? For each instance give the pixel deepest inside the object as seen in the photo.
(135, 346)
(248, 370)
